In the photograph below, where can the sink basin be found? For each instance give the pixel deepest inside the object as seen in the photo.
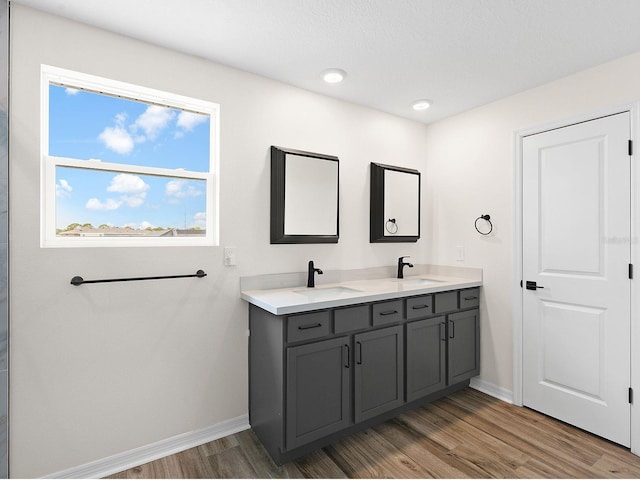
(325, 292)
(417, 281)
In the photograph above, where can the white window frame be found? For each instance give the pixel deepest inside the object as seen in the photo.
(95, 84)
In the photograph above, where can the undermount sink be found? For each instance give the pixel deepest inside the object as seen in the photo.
(324, 292)
(417, 281)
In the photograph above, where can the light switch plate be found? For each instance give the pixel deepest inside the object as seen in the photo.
(460, 253)
(229, 256)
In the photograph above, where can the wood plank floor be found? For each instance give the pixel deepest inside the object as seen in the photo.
(466, 435)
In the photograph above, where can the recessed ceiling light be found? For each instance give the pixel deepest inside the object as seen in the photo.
(421, 104)
(333, 75)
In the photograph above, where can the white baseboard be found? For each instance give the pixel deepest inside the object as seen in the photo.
(141, 455)
(491, 389)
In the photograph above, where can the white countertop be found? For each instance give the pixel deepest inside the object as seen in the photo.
(283, 301)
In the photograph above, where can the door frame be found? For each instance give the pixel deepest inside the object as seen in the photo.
(517, 291)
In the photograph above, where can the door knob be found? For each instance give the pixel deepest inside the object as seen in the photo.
(532, 285)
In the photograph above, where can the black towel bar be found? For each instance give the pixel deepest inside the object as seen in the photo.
(77, 280)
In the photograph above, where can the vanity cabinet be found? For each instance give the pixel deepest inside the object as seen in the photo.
(318, 382)
(463, 349)
(442, 350)
(318, 390)
(426, 357)
(317, 376)
(378, 372)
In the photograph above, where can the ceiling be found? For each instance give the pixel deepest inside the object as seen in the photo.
(459, 54)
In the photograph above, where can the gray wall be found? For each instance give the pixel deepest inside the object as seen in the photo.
(102, 369)
(482, 166)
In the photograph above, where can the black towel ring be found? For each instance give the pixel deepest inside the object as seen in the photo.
(486, 218)
(391, 226)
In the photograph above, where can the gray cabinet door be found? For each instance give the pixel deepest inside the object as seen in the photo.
(463, 353)
(426, 357)
(318, 390)
(378, 372)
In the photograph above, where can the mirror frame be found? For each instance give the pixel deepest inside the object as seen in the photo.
(376, 206)
(278, 177)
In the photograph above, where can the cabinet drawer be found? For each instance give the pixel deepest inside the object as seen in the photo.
(308, 326)
(445, 302)
(469, 298)
(387, 312)
(419, 307)
(350, 319)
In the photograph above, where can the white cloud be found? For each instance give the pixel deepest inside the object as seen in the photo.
(139, 226)
(180, 188)
(133, 188)
(117, 139)
(63, 189)
(109, 204)
(152, 122)
(127, 183)
(71, 91)
(134, 201)
(122, 138)
(200, 220)
(173, 187)
(188, 120)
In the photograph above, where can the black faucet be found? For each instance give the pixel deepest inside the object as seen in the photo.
(402, 264)
(311, 277)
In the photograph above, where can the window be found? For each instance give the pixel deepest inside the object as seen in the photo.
(124, 165)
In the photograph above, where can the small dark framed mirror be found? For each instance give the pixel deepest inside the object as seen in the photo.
(304, 197)
(395, 204)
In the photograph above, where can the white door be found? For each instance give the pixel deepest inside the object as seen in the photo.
(576, 230)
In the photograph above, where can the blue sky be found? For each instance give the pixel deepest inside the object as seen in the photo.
(89, 126)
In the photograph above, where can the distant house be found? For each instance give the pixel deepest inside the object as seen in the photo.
(188, 233)
(81, 231)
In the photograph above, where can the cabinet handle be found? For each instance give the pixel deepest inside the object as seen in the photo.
(359, 345)
(420, 307)
(443, 332)
(470, 298)
(348, 358)
(389, 312)
(452, 332)
(307, 327)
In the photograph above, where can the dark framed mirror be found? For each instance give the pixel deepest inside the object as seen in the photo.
(304, 197)
(395, 204)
